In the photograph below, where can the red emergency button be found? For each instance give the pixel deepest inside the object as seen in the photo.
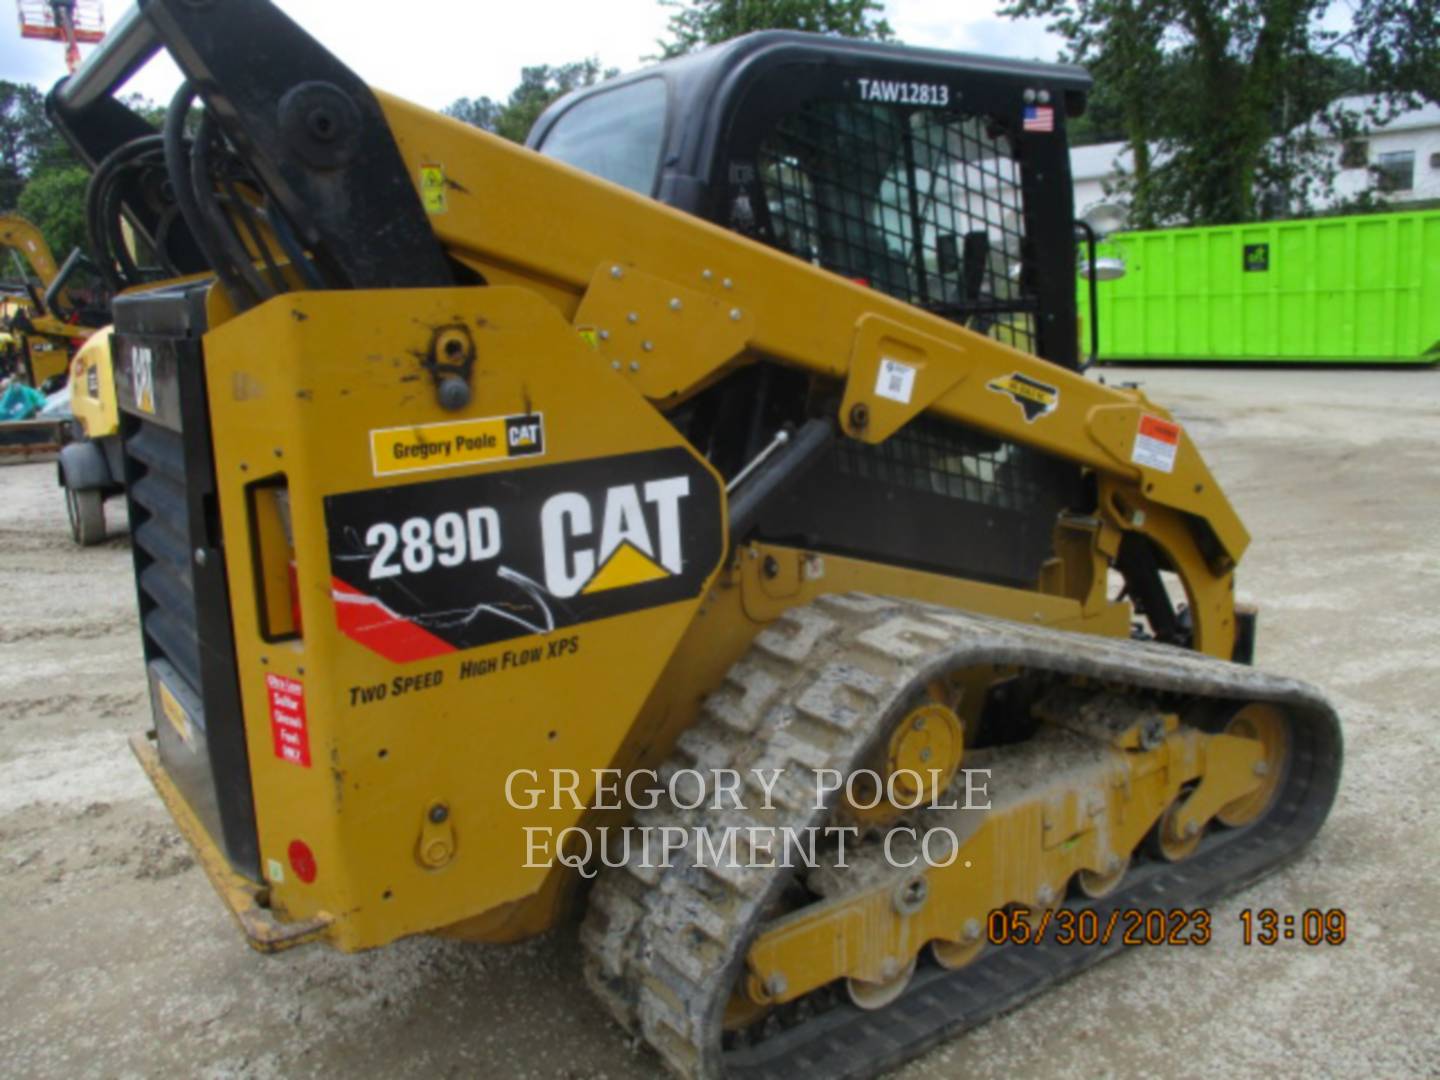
(302, 861)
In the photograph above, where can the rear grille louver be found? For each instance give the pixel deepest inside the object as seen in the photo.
(181, 583)
(168, 612)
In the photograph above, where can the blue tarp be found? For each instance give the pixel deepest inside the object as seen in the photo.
(20, 402)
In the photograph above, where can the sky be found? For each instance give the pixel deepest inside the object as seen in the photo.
(436, 52)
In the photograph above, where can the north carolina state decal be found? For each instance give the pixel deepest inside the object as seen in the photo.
(1035, 398)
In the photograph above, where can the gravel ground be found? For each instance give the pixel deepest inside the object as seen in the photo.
(119, 961)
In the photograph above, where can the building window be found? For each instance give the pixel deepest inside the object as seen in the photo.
(1355, 155)
(1396, 171)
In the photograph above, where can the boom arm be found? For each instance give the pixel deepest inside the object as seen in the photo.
(674, 303)
(761, 302)
(21, 235)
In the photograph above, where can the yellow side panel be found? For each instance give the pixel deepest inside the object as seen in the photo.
(92, 388)
(389, 766)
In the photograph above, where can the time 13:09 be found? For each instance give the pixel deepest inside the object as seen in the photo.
(1266, 926)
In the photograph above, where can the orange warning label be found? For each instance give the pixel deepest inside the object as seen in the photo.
(1156, 441)
(1153, 427)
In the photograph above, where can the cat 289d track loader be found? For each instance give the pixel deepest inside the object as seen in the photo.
(497, 527)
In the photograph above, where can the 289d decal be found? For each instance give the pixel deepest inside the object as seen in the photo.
(429, 568)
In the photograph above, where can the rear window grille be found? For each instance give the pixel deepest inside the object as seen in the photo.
(939, 458)
(922, 204)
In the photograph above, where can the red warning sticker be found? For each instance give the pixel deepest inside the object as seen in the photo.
(287, 719)
(1156, 441)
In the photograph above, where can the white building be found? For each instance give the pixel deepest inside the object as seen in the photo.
(1401, 159)
(1095, 167)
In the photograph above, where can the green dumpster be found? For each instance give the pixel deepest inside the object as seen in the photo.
(1357, 289)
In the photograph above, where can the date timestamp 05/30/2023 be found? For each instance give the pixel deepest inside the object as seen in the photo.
(1018, 925)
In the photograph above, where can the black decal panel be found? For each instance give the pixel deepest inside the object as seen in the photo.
(427, 568)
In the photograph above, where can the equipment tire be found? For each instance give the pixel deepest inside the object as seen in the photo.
(86, 510)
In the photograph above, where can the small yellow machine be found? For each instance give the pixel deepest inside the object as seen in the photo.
(91, 465)
(499, 526)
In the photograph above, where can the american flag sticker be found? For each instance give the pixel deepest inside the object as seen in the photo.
(1039, 118)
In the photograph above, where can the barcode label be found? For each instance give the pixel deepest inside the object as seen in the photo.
(895, 381)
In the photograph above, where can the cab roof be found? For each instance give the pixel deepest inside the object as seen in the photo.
(701, 84)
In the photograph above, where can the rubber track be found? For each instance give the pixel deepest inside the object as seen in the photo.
(664, 945)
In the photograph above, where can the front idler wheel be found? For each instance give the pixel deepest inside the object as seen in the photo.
(1269, 726)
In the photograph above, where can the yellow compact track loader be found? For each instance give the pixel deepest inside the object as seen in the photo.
(699, 521)
(91, 467)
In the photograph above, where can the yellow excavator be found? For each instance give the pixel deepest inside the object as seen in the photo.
(50, 327)
(39, 340)
(23, 237)
(696, 519)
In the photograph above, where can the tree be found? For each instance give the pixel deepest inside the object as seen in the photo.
(27, 141)
(149, 111)
(481, 112)
(39, 173)
(1225, 102)
(696, 23)
(1128, 66)
(54, 199)
(1399, 43)
(539, 86)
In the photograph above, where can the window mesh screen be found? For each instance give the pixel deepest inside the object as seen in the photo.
(939, 458)
(935, 496)
(922, 204)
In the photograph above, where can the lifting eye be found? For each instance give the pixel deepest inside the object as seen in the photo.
(451, 360)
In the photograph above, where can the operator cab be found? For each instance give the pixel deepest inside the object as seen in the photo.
(939, 178)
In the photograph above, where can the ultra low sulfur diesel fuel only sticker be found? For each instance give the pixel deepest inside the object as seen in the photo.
(440, 565)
